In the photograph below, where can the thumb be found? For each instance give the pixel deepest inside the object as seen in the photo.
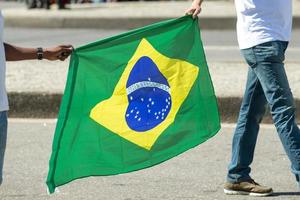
(190, 11)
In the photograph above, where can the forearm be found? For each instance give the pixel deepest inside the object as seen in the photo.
(198, 2)
(14, 53)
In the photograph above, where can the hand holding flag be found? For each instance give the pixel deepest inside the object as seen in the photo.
(58, 53)
(195, 8)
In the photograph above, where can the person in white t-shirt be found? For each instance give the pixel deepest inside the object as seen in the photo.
(10, 52)
(263, 30)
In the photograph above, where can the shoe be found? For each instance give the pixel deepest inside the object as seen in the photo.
(249, 187)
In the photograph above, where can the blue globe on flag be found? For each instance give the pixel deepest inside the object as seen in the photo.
(149, 98)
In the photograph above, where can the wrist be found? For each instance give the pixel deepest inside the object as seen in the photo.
(197, 2)
(46, 53)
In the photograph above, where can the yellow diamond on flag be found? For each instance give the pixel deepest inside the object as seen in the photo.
(147, 97)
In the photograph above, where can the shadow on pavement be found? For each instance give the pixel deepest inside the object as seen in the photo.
(286, 194)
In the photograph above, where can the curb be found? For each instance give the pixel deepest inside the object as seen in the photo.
(34, 105)
(43, 105)
(111, 23)
(78, 22)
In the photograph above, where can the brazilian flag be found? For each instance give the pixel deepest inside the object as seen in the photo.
(133, 101)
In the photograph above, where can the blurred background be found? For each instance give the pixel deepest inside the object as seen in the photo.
(35, 89)
(62, 4)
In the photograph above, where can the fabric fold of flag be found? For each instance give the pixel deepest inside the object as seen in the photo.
(133, 101)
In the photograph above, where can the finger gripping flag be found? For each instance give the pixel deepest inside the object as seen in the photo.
(133, 101)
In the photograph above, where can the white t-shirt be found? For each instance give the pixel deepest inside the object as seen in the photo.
(260, 21)
(3, 95)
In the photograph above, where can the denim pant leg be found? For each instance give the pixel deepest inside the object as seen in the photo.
(3, 136)
(271, 74)
(244, 140)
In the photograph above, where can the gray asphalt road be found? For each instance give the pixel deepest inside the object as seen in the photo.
(197, 174)
(221, 46)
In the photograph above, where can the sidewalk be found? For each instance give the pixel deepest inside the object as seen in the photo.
(215, 15)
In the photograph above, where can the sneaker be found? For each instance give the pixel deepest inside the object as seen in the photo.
(249, 187)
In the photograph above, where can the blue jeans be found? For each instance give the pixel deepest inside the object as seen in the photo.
(267, 84)
(3, 136)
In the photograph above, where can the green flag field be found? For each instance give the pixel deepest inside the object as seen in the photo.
(133, 101)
